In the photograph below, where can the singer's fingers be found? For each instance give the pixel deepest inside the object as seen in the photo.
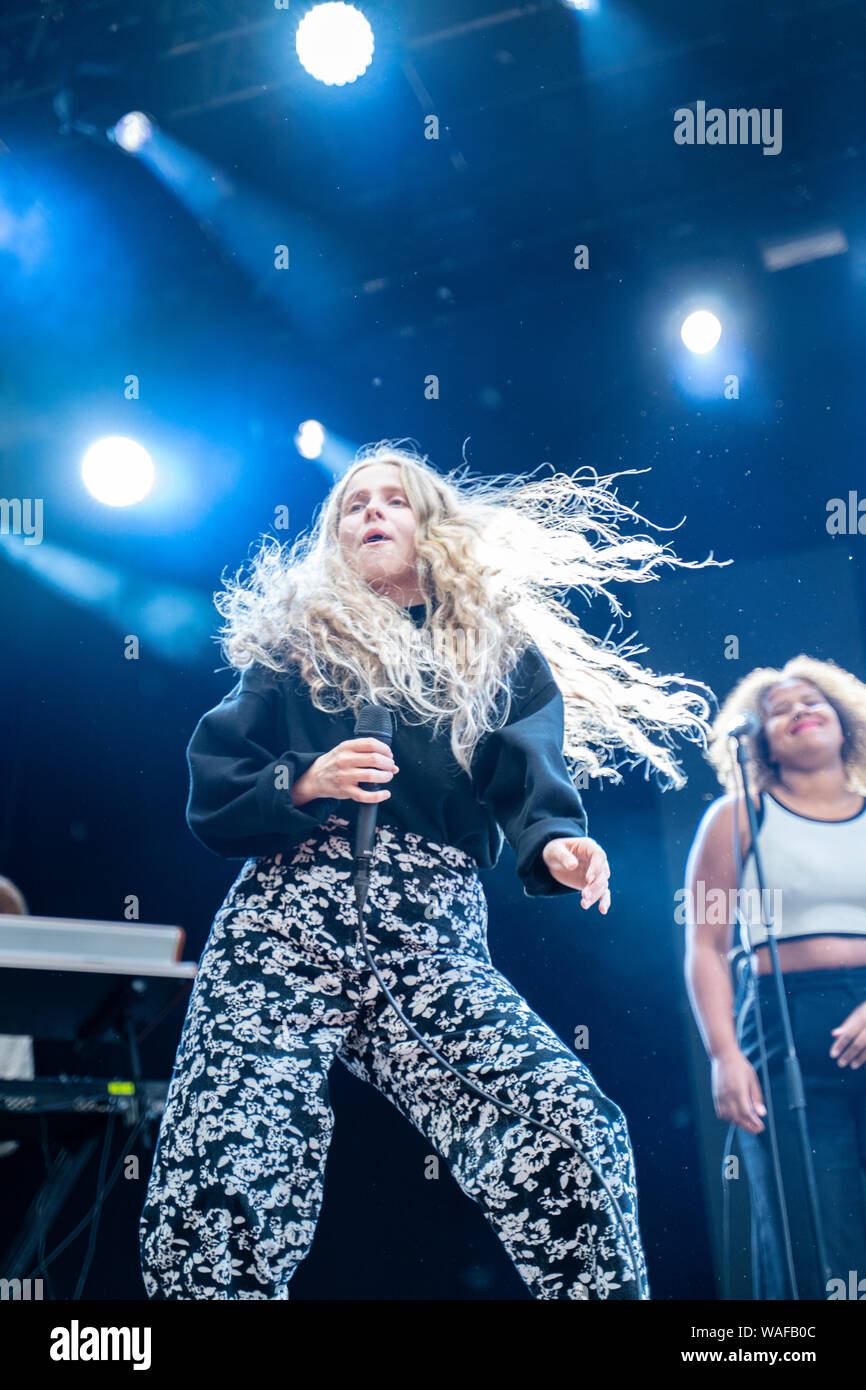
(598, 869)
(365, 760)
(368, 745)
(358, 794)
(371, 774)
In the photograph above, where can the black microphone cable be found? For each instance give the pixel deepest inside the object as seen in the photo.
(370, 724)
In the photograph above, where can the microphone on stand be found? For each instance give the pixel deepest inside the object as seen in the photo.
(746, 726)
(373, 721)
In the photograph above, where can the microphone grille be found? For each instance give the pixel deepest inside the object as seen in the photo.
(374, 721)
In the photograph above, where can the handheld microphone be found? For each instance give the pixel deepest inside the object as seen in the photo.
(373, 721)
(746, 726)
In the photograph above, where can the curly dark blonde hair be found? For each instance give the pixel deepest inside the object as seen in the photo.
(496, 557)
(839, 688)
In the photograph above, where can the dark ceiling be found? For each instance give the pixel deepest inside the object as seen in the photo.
(451, 256)
(554, 127)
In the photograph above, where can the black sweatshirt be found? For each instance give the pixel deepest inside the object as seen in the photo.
(246, 752)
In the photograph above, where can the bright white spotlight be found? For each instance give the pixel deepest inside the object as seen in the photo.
(310, 439)
(701, 331)
(334, 43)
(117, 471)
(132, 131)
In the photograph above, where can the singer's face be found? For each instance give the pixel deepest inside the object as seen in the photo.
(801, 726)
(377, 531)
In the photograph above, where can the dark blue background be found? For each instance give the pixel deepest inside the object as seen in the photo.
(454, 258)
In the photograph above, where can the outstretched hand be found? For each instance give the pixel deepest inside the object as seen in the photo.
(580, 864)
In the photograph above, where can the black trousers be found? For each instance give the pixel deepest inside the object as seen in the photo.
(818, 1001)
(284, 991)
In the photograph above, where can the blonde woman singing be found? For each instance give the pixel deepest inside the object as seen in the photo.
(441, 600)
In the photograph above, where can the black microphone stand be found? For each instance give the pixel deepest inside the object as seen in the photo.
(793, 1074)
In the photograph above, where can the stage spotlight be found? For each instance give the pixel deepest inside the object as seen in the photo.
(581, 4)
(117, 471)
(701, 331)
(310, 439)
(334, 43)
(132, 131)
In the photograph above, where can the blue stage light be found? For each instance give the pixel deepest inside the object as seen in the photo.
(334, 43)
(117, 471)
(701, 331)
(132, 131)
(310, 439)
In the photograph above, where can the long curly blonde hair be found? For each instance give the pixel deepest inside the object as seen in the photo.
(496, 557)
(840, 688)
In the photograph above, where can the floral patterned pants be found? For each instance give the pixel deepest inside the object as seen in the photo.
(283, 989)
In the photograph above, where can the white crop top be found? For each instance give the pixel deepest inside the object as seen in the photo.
(814, 872)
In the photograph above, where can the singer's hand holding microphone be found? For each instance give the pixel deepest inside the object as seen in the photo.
(339, 773)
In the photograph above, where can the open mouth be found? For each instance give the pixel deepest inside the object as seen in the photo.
(376, 538)
(806, 724)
